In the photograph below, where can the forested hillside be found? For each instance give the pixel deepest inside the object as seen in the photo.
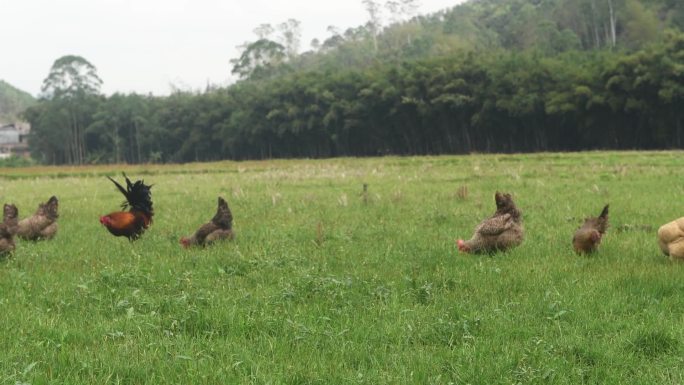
(487, 75)
(12, 102)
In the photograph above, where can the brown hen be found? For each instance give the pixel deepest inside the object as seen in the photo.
(588, 237)
(7, 228)
(42, 224)
(220, 227)
(500, 232)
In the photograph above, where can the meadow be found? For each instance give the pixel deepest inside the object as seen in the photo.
(325, 284)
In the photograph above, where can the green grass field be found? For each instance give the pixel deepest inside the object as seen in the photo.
(325, 286)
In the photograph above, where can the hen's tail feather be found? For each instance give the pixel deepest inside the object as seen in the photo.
(138, 195)
(223, 217)
(120, 187)
(124, 204)
(602, 221)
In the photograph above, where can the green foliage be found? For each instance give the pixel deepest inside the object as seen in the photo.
(484, 76)
(71, 93)
(71, 77)
(259, 59)
(16, 161)
(642, 25)
(326, 284)
(13, 102)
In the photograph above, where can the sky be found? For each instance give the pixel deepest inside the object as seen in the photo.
(155, 46)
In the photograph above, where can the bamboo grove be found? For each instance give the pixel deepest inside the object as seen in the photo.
(491, 99)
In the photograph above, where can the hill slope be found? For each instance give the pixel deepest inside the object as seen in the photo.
(548, 27)
(13, 101)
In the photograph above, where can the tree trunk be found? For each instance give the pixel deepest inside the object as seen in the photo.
(594, 23)
(79, 138)
(137, 140)
(613, 22)
(74, 138)
(468, 141)
(679, 131)
(117, 144)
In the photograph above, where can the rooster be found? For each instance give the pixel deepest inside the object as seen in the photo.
(42, 224)
(588, 237)
(7, 228)
(501, 231)
(220, 227)
(132, 223)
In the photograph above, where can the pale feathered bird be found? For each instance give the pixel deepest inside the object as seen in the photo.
(671, 239)
(42, 224)
(500, 232)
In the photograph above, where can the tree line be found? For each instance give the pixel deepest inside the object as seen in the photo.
(347, 99)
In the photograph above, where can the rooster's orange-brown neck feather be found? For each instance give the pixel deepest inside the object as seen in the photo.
(130, 224)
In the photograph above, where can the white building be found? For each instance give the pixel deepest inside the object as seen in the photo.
(14, 140)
